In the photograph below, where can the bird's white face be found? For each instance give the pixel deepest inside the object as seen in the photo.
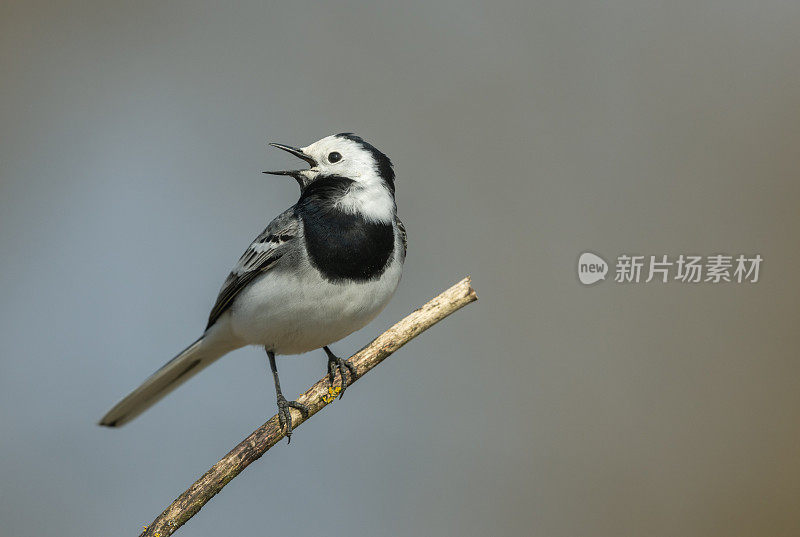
(347, 155)
(334, 155)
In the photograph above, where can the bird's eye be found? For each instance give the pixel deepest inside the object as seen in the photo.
(334, 157)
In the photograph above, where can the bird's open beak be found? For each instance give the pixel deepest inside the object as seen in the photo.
(296, 152)
(294, 173)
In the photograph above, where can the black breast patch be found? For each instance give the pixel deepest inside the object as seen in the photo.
(343, 246)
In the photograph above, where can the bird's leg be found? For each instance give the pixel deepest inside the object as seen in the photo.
(334, 363)
(284, 416)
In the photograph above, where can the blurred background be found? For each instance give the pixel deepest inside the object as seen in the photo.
(132, 140)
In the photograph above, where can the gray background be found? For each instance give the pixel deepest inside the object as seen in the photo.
(132, 137)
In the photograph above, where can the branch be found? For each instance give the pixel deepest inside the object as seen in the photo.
(316, 398)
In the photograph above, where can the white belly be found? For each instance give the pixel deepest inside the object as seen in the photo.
(291, 313)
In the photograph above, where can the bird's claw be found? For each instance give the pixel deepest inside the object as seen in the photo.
(334, 363)
(285, 416)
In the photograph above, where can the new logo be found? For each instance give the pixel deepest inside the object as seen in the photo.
(591, 268)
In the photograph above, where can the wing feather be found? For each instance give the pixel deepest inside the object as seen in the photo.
(401, 227)
(260, 256)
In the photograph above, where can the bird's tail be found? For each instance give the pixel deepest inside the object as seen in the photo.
(192, 360)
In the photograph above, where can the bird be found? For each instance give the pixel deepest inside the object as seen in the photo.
(322, 269)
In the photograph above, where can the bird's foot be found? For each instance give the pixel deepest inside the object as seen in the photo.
(334, 363)
(285, 416)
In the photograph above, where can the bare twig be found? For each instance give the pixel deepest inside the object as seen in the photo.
(316, 398)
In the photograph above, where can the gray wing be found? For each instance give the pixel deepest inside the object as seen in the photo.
(259, 257)
(401, 227)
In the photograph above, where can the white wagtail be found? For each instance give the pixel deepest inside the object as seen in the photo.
(321, 270)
